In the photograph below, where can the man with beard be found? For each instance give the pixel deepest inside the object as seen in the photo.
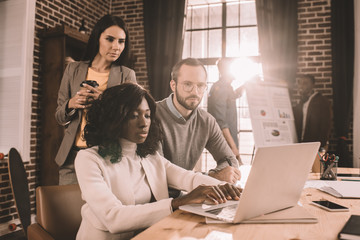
(188, 129)
(312, 114)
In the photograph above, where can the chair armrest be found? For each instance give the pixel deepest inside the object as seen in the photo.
(36, 232)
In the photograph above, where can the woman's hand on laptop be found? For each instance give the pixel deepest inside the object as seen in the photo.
(209, 194)
(230, 191)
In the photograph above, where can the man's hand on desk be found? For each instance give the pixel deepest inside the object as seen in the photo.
(228, 174)
(211, 194)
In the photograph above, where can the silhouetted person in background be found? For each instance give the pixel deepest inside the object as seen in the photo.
(313, 113)
(222, 105)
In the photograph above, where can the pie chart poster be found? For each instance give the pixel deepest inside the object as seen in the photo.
(271, 114)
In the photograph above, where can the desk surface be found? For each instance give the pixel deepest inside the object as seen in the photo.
(182, 224)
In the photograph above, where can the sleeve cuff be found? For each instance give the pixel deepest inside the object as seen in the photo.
(71, 113)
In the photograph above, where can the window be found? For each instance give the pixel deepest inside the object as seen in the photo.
(225, 30)
(16, 61)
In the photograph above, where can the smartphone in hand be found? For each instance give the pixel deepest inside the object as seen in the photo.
(92, 83)
(330, 206)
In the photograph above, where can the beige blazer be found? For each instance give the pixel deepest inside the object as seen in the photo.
(74, 74)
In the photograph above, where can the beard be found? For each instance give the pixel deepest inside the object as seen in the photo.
(182, 101)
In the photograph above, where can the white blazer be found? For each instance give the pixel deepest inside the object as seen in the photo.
(110, 211)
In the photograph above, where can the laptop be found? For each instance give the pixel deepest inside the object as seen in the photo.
(275, 182)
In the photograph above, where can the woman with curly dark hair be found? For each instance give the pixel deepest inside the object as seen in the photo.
(123, 180)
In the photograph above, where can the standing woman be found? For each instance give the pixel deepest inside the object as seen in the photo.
(106, 52)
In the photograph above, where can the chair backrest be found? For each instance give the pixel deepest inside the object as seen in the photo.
(58, 210)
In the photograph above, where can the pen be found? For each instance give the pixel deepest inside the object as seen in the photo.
(356, 180)
(229, 162)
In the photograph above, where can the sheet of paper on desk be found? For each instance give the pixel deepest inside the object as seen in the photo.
(315, 184)
(341, 189)
(244, 170)
(213, 235)
(217, 235)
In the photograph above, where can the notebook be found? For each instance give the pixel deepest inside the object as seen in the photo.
(351, 229)
(275, 182)
(342, 189)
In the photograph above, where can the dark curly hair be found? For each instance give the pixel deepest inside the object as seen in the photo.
(110, 112)
(104, 23)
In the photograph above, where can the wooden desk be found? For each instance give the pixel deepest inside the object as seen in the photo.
(182, 224)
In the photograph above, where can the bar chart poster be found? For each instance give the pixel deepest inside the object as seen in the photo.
(271, 114)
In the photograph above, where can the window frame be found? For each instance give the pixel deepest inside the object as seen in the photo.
(24, 74)
(211, 61)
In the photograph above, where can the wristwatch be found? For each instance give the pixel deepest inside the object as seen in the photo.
(69, 112)
(212, 171)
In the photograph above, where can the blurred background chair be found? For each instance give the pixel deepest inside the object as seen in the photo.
(57, 212)
(20, 188)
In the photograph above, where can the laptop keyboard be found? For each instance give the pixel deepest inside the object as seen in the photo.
(227, 212)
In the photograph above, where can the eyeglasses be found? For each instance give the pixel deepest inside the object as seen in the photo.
(189, 86)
